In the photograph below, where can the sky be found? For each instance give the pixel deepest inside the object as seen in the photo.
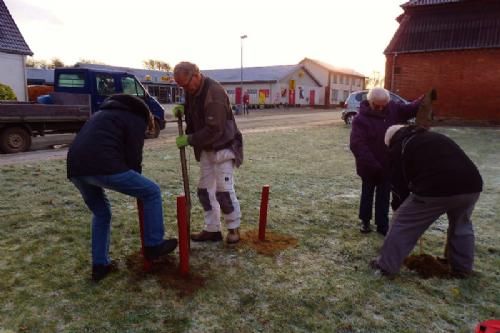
(343, 33)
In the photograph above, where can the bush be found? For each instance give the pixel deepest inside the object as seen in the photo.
(6, 93)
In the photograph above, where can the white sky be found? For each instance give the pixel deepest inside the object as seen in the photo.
(343, 33)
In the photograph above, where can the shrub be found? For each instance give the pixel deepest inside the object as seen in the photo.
(6, 93)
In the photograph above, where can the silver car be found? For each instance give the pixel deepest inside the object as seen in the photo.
(351, 104)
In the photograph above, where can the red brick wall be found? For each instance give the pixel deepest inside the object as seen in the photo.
(467, 82)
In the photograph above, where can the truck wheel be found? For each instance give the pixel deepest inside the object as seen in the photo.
(14, 140)
(153, 134)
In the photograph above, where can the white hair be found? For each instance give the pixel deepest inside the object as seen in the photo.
(390, 133)
(378, 94)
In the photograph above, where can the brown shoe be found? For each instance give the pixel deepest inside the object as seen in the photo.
(233, 236)
(205, 236)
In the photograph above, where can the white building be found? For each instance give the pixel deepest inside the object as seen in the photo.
(270, 85)
(338, 83)
(13, 52)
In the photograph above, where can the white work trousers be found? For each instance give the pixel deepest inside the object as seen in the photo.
(216, 189)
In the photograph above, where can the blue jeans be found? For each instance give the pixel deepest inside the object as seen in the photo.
(382, 193)
(131, 183)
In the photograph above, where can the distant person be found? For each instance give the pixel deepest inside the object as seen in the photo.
(218, 146)
(107, 154)
(375, 115)
(246, 102)
(432, 176)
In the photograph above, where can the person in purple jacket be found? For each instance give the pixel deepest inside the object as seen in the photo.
(375, 115)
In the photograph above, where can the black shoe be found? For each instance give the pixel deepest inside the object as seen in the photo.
(365, 227)
(204, 236)
(154, 252)
(99, 272)
(382, 230)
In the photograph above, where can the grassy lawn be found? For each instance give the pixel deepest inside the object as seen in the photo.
(323, 284)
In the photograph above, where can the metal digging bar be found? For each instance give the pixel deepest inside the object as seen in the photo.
(185, 179)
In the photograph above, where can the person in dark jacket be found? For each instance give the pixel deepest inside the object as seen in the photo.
(107, 154)
(432, 176)
(218, 146)
(375, 115)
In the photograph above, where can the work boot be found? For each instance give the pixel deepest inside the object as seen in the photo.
(154, 252)
(365, 227)
(233, 236)
(99, 272)
(379, 271)
(205, 236)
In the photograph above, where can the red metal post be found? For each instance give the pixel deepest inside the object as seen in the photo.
(182, 224)
(147, 265)
(264, 200)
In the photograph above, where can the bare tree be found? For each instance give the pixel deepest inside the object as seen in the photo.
(90, 61)
(157, 64)
(375, 80)
(36, 63)
(56, 62)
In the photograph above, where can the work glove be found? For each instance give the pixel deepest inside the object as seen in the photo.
(178, 110)
(181, 141)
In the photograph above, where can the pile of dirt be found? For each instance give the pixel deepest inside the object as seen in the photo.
(427, 266)
(166, 272)
(272, 245)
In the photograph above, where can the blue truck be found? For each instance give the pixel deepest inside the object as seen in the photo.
(78, 92)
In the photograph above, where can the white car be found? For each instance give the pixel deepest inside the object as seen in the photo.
(351, 104)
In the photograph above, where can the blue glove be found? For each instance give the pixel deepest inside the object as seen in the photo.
(181, 141)
(178, 110)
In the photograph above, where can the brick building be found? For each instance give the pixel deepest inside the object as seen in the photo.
(454, 46)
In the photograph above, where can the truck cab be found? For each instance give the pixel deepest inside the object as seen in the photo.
(99, 84)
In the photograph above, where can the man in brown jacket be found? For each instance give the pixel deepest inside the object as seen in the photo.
(218, 146)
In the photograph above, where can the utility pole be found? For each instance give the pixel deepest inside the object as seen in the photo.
(241, 71)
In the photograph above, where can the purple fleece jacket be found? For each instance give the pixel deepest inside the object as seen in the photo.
(367, 137)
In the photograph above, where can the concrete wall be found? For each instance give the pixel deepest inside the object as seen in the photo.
(467, 82)
(13, 74)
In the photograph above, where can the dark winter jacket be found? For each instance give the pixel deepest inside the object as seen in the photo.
(111, 141)
(210, 122)
(430, 164)
(367, 137)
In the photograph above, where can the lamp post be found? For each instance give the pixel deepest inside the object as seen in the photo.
(241, 70)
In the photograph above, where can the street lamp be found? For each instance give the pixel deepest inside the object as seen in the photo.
(241, 70)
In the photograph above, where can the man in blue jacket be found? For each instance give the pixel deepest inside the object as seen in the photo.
(375, 115)
(107, 154)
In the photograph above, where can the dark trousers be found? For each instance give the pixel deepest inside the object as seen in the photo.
(416, 215)
(382, 194)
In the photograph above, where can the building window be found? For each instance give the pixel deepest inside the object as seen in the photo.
(334, 78)
(335, 95)
(346, 94)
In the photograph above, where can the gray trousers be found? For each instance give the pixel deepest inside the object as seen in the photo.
(415, 215)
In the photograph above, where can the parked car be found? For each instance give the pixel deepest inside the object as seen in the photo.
(351, 104)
